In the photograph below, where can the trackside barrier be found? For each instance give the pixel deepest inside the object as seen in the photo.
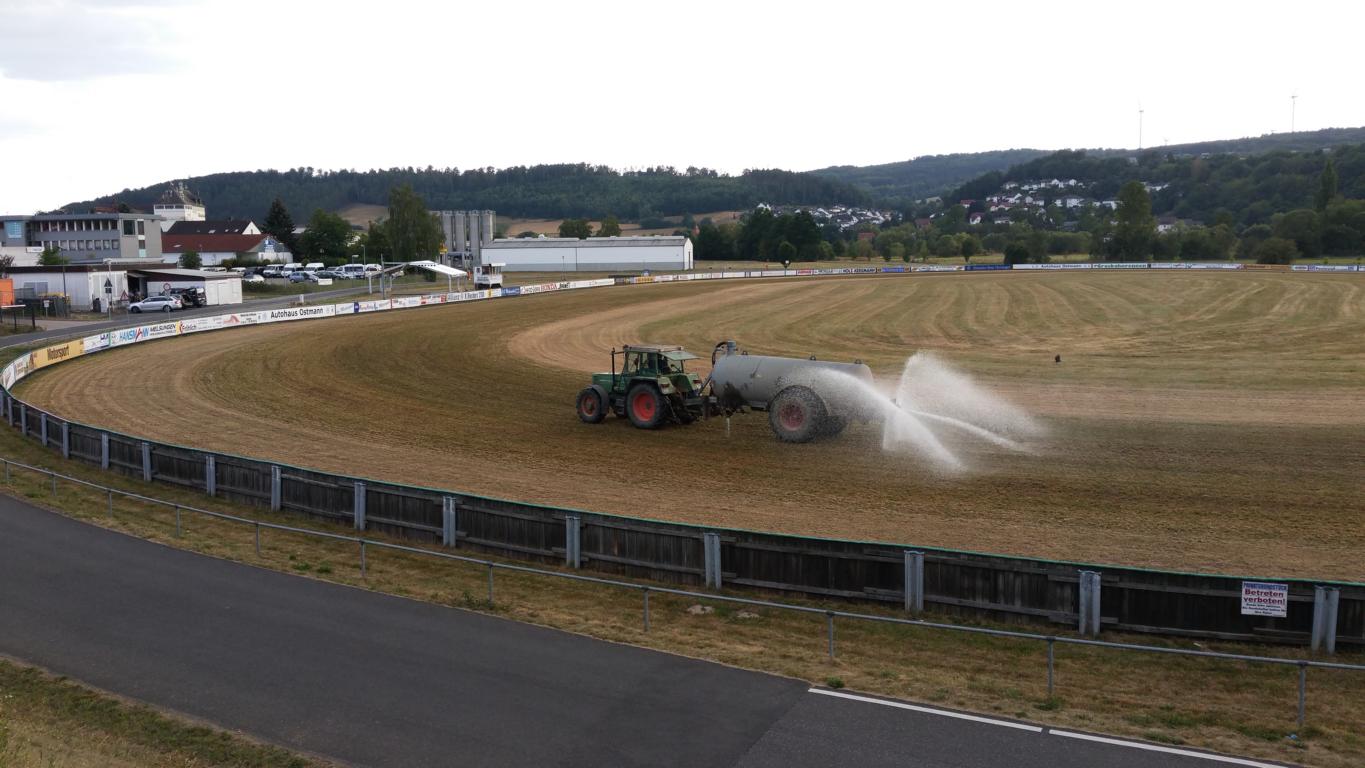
(362, 543)
(998, 587)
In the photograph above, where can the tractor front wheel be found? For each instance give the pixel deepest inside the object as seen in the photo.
(591, 406)
(645, 406)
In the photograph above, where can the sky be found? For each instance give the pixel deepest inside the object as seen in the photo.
(101, 95)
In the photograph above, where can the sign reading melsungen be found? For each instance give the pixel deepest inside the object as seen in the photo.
(1260, 598)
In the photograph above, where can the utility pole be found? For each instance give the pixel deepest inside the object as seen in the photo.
(1293, 110)
(1140, 111)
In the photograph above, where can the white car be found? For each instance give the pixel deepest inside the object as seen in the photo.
(155, 304)
(254, 278)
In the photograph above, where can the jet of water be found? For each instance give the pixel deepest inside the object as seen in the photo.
(929, 398)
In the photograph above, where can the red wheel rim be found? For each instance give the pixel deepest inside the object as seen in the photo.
(642, 405)
(589, 405)
(792, 416)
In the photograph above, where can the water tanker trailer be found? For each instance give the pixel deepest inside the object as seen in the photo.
(804, 398)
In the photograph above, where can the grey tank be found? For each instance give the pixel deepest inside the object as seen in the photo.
(754, 380)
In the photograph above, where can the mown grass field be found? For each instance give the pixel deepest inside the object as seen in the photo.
(1207, 422)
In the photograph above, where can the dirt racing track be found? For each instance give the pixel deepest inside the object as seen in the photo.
(1198, 421)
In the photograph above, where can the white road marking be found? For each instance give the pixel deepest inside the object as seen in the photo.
(1167, 750)
(928, 710)
(1048, 731)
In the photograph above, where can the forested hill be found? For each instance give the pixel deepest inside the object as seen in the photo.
(1243, 190)
(900, 183)
(542, 191)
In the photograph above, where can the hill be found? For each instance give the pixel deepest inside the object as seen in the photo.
(537, 192)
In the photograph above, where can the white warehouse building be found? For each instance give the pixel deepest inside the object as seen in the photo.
(595, 254)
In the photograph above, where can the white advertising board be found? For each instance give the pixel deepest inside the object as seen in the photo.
(296, 313)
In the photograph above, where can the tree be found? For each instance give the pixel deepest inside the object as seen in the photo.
(610, 227)
(895, 251)
(1136, 227)
(1327, 186)
(1304, 227)
(280, 225)
(373, 244)
(414, 234)
(52, 257)
(786, 252)
(327, 239)
(1276, 250)
(1016, 253)
(579, 228)
(6, 261)
(714, 243)
(861, 249)
(191, 260)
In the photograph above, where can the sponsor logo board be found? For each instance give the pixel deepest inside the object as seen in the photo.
(55, 354)
(95, 343)
(295, 313)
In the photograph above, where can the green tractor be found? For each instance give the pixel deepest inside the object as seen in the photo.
(651, 389)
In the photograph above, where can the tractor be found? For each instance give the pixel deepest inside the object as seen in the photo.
(651, 389)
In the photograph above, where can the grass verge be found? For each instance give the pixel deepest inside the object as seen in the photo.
(1232, 707)
(52, 721)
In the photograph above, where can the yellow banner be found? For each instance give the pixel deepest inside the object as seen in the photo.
(45, 357)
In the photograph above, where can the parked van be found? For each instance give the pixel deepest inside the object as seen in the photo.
(290, 268)
(373, 269)
(312, 266)
(352, 270)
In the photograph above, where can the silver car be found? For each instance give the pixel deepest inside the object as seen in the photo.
(155, 304)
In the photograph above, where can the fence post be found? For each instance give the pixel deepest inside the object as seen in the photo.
(646, 591)
(829, 616)
(711, 555)
(104, 450)
(23, 420)
(572, 544)
(449, 519)
(1325, 602)
(359, 513)
(66, 440)
(210, 474)
(1051, 663)
(42, 426)
(914, 581)
(274, 488)
(1089, 609)
(146, 461)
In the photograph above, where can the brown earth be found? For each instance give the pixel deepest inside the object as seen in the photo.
(1207, 422)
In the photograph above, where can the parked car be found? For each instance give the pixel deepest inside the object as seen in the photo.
(302, 276)
(330, 274)
(373, 268)
(353, 271)
(270, 272)
(190, 297)
(155, 304)
(253, 278)
(238, 270)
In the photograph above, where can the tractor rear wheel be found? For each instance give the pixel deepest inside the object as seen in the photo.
(645, 406)
(591, 407)
(796, 415)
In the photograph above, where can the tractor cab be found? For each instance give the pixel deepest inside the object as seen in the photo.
(652, 386)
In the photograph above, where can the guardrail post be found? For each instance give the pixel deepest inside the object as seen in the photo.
(42, 426)
(66, 440)
(711, 556)
(359, 506)
(9, 410)
(1325, 602)
(914, 581)
(23, 420)
(104, 450)
(449, 519)
(1089, 598)
(146, 461)
(572, 543)
(274, 488)
(210, 475)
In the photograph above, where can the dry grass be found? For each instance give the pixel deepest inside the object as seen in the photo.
(50, 721)
(1228, 706)
(1187, 426)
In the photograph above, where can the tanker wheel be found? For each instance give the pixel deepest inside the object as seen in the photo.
(796, 415)
(591, 409)
(645, 406)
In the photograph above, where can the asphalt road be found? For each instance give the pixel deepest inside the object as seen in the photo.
(374, 680)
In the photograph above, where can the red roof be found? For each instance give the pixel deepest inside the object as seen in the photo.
(210, 243)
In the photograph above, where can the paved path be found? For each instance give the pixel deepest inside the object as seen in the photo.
(376, 680)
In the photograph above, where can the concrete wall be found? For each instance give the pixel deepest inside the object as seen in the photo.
(605, 255)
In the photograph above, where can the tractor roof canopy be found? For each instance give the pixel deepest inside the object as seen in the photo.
(674, 352)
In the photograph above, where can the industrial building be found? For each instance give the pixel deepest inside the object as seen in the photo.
(466, 233)
(89, 238)
(82, 284)
(214, 249)
(595, 254)
(178, 203)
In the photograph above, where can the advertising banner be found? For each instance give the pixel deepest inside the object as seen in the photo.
(162, 330)
(55, 354)
(863, 271)
(1195, 265)
(938, 268)
(95, 343)
(985, 267)
(1058, 265)
(1323, 268)
(7, 376)
(1261, 598)
(241, 318)
(1121, 265)
(403, 302)
(544, 287)
(295, 313)
(895, 269)
(599, 283)
(1267, 267)
(516, 290)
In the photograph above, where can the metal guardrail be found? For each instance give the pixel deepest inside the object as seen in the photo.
(646, 590)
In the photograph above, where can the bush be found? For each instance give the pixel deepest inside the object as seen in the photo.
(1016, 253)
(1277, 250)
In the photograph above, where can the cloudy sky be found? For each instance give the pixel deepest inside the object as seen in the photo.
(99, 95)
